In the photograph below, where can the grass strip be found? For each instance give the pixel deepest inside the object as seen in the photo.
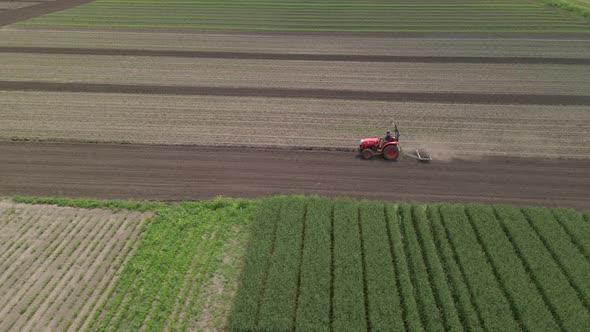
(85, 203)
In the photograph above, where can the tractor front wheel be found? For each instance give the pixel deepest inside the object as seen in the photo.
(391, 152)
(367, 154)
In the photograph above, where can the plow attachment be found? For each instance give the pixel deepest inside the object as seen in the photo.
(420, 155)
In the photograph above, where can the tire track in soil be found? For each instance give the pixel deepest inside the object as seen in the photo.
(296, 56)
(424, 97)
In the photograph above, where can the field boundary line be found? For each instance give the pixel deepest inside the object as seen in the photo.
(528, 269)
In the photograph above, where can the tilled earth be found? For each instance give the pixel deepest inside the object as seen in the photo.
(121, 171)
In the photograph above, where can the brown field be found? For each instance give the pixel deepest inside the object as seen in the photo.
(365, 76)
(457, 95)
(59, 263)
(257, 120)
(557, 131)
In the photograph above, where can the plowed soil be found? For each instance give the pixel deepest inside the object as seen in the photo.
(114, 171)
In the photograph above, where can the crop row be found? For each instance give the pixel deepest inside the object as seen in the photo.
(314, 15)
(318, 264)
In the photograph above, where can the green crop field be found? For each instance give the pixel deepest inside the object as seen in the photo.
(314, 264)
(322, 15)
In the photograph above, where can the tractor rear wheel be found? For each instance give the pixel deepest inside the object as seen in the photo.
(367, 154)
(391, 152)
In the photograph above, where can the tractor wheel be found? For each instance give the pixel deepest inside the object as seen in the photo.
(391, 152)
(367, 154)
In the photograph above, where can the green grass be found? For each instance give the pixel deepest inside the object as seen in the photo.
(325, 16)
(385, 266)
(578, 7)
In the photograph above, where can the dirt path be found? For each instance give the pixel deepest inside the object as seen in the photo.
(113, 171)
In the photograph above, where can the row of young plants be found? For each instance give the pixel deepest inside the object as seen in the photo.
(316, 15)
(350, 265)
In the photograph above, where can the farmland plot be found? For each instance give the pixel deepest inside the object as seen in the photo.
(434, 267)
(58, 263)
(535, 79)
(261, 122)
(319, 16)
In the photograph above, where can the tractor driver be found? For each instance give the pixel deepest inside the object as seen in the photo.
(388, 137)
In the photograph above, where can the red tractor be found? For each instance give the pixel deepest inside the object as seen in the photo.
(389, 148)
(371, 147)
